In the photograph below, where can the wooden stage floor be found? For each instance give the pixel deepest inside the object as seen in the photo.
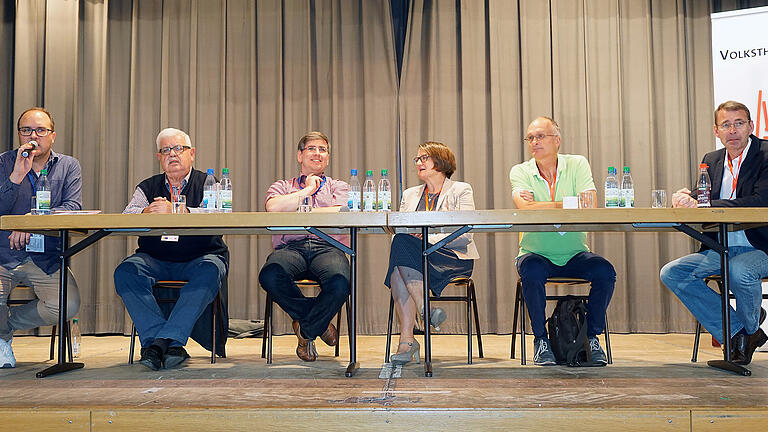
(652, 385)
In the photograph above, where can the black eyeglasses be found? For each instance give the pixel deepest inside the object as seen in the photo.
(39, 131)
(179, 149)
(422, 159)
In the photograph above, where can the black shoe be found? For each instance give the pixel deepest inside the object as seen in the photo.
(762, 316)
(174, 357)
(152, 358)
(748, 345)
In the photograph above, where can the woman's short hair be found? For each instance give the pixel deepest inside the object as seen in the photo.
(310, 136)
(442, 157)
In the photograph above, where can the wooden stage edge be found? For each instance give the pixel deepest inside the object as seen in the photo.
(652, 385)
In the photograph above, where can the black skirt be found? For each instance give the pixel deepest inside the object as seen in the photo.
(444, 265)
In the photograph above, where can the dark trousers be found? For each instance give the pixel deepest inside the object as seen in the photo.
(314, 259)
(535, 269)
(137, 274)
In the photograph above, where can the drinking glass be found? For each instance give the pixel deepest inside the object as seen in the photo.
(658, 198)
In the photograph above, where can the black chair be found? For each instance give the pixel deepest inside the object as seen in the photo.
(216, 318)
(266, 337)
(469, 299)
(717, 279)
(28, 299)
(520, 311)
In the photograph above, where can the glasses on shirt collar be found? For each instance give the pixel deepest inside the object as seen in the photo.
(179, 149)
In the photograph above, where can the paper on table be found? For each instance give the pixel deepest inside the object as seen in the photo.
(75, 212)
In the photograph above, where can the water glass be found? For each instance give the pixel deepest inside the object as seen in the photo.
(179, 204)
(658, 198)
(586, 199)
(305, 206)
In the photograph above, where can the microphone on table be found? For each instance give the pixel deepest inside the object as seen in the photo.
(25, 153)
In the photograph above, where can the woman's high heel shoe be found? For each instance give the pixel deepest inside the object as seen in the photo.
(436, 317)
(405, 357)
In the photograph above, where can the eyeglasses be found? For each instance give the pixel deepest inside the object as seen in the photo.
(532, 139)
(422, 159)
(725, 127)
(312, 149)
(179, 149)
(39, 131)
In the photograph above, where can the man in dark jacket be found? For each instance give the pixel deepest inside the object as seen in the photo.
(739, 175)
(200, 260)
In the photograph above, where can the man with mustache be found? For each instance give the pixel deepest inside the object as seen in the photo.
(202, 261)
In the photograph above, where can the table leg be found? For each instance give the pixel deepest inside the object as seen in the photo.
(425, 272)
(726, 363)
(353, 365)
(62, 365)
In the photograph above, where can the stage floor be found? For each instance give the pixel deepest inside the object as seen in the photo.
(651, 385)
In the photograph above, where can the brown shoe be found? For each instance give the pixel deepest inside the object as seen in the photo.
(330, 336)
(306, 348)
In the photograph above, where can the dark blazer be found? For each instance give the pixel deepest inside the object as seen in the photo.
(751, 187)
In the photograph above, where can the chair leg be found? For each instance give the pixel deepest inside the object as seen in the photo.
(468, 304)
(220, 307)
(695, 355)
(514, 320)
(265, 331)
(53, 342)
(271, 328)
(133, 344)
(68, 341)
(608, 340)
(522, 331)
(213, 327)
(389, 328)
(477, 321)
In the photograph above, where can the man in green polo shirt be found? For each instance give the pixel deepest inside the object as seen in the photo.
(541, 183)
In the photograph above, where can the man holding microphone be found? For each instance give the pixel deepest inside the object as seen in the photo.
(30, 259)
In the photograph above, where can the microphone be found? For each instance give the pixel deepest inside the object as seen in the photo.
(25, 153)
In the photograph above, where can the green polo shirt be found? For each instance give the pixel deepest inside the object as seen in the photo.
(573, 176)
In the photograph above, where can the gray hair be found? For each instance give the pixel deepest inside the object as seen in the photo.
(171, 133)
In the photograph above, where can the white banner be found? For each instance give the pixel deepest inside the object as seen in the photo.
(740, 70)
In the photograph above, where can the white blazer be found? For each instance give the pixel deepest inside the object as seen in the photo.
(455, 195)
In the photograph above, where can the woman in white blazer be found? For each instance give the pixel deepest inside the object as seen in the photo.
(435, 164)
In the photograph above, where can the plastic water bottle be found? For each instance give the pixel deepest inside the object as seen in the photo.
(703, 187)
(385, 192)
(43, 193)
(627, 192)
(369, 192)
(225, 192)
(77, 338)
(210, 191)
(353, 198)
(611, 189)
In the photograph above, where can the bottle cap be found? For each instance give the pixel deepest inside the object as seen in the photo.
(225, 170)
(210, 171)
(611, 170)
(369, 173)
(44, 172)
(626, 170)
(705, 166)
(383, 172)
(74, 320)
(353, 172)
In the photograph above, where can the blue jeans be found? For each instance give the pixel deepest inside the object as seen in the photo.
(684, 277)
(313, 259)
(137, 274)
(534, 270)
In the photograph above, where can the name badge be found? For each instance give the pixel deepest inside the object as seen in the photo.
(169, 238)
(36, 243)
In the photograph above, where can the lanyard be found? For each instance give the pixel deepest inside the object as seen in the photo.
(302, 179)
(734, 176)
(426, 199)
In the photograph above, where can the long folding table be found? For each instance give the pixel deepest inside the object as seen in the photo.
(96, 227)
(687, 221)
